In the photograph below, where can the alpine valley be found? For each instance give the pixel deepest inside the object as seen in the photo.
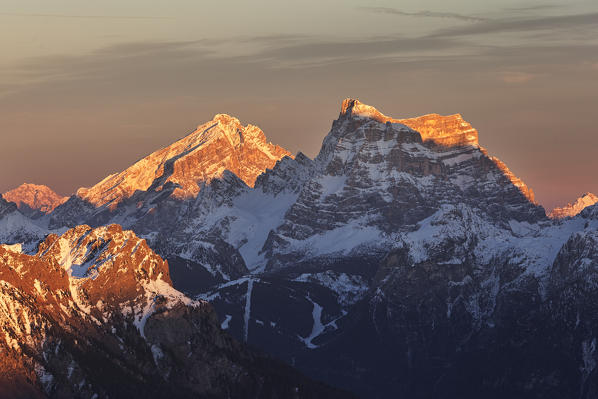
(403, 261)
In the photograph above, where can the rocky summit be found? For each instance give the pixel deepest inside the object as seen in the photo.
(570, 210)
(402, 261)
(214, 147)
(34, 200)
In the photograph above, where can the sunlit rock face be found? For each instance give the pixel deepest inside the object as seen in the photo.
(575, 208)
(34, 199)
(94, 315)
(448, 131)
(106, 264)
(218, 145)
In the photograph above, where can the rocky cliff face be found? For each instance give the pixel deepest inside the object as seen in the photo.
(376, 179)
(93, 315)
(34, 200)
(444, 131)
(570, 210)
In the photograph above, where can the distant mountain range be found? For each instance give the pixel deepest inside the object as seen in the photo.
(402, 261)
(34, 200)
(574, 209)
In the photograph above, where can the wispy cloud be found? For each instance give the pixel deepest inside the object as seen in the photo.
(538, 7)
(362, 49)
(509, 25)
(263, 54)
(32, 15)
(425, 14)
(279, 53)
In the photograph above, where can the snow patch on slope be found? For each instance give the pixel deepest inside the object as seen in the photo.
(349, 288)
(16, 226)
(317, 329)
(226, 321)
(332, 184)
(255, 214)
(247, 315)
(533, 245)
(154, 290)
(353, 237)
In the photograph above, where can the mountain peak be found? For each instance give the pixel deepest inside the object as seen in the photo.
(228, 124)
(351, 108)
(214, 147)
(226, 119)
(444, 130)
(572, 209)
(34, 197)
(448, 142)
(238, 134)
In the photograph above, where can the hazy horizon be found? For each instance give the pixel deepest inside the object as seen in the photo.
(88, 89)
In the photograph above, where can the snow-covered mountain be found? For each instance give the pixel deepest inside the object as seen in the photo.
(423, 248)
(166, 193)
(395, 263)
(34, 200)
(93, 314)
(386, 176)
(16, 228)
(570, 210)
(376, 178)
